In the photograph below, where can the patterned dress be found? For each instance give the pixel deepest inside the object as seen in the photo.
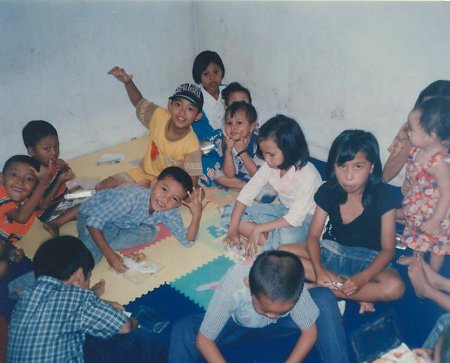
(420, 203)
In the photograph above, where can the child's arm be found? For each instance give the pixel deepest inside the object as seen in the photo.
(127, 79)
(232, 237)
(23, 213)
(442, 173)
(114, 260)
(384, 257)
(65, 174)
(304, 344)
(241, 147)
(208, 349)
(195, 205)
(229, 169)
(313, 245)
(395, 163)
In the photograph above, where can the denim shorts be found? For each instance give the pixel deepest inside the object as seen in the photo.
(262, 213)
(344, 260)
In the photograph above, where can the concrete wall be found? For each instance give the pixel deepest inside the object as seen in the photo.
(330, 65)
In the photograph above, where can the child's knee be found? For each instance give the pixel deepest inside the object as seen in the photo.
(394, 288)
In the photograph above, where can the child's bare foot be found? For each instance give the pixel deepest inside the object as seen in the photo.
(418, 278)
(99, 288)
(405, 260)
(366, 307)
(435, 279)
(52, 229)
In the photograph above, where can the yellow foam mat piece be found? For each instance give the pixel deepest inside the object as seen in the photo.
(37, 235)
(174, 261)
(86, 166)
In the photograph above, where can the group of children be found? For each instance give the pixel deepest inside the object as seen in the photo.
(338, 235)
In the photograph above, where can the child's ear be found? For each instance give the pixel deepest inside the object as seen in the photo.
(246, 281)
(252, 126)
(31, 151)
(77, 278)
(199, 115)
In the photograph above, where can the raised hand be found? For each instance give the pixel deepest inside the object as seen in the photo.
(120, 74)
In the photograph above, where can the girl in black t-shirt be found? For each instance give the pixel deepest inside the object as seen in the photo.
(353, 254)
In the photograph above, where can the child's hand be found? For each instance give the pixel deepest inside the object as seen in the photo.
(60, 164)
(120, 74)
(229, 143)
(256, 239)
(353, 284)
(195, 202)
(323, 279)
(232, 239)
(116, 262)
(241, 144)
(431, 226)
(44, 175)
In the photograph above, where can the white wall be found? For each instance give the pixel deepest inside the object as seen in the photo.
(55, 55)
(330, 65)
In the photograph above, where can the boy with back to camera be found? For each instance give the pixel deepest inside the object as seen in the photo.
(172, 142)
(51, 320)
(42, 143)
(261, 301)
(126, 216)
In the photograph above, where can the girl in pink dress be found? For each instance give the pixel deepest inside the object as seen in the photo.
(427, 205)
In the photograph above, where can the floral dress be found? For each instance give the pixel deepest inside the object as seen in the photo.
(420, 203)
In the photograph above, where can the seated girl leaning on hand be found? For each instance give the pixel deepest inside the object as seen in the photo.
(283, 146)
(353, 255)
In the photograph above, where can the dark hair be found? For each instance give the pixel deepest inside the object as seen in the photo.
(24, 159)
(202, 61)
(180, 175)
(344, 148)
(289, 137)
(435, 89)
(435, 116)
(37, 130)
(232, 88)
(250, 111)
(60, 257)
(277, 275)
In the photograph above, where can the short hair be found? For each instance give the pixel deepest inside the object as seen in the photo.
(277, 275)
(36, 130)
(248, 109)
(289, 137)
(178, 174)
(61, 256)
(435, 89)
(232, 88)
(202, 61)
(344, 148)
(24, 159)
(435, 116)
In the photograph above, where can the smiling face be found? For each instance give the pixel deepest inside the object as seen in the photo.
(237, 126)
(45, 150)
(211, 78)
(353, 174)
(19, 181)
(271, 308)
(271, 152)
(166, 194)
(183, 113)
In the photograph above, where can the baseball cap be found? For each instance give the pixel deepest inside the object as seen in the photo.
(189, 92)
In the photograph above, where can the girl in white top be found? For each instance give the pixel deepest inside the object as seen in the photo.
(282, 144)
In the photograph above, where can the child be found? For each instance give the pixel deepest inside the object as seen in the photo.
(239, 157)
(126, 216)
(400, 147)
(427, 204)
(359, 239)
(171, 139)
(266, 299)
(235, 92)
(24, 183)
(50, 321)
(283, 146)
(208, 70)
(41, 140)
